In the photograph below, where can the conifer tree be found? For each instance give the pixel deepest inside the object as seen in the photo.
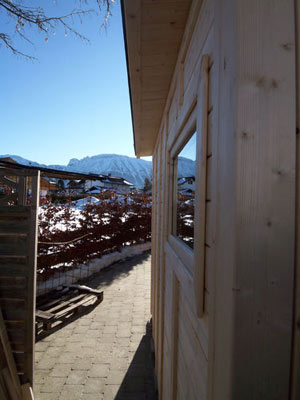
(147, 185)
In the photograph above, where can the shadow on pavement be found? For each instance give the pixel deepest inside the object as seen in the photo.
(114, 271)
(104, 277)
(139, 382)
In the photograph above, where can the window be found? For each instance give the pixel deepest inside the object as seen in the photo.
(190, 163)
(184, 192)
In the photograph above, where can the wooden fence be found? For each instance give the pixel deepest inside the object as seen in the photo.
(18, 253)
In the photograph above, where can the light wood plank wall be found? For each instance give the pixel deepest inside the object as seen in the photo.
(265, 144)
(205, 358)
(254, 261)
(190, 345)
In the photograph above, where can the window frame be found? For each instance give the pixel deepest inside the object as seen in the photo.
(184, 252)
(196, 121)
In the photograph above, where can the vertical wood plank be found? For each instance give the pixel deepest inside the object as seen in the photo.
(181, 89)
(22, 191)
(163, 224)
(161, 250)
(27, 392)
(3, 393)
(174, 343)
(265, 199)
(153, 242)
(212, 189)
(295, 383)
(200, 188)
(32, 265)
(9, 357)
(13, 394)
(221, 376)
(174, 199)
(158, 250)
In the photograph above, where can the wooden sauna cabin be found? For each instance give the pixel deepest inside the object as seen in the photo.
(214, 89)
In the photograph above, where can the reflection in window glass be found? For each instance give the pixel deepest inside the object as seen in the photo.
(184, 173)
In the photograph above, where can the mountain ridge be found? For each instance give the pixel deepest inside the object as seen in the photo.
(132, 169)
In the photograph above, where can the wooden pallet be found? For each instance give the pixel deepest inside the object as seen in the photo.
(59, 307)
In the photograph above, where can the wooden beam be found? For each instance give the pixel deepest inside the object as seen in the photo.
(9, 357)
(32, 267)
(27, 392)
(295, 385)
(22, 191)
(200, 188)
(13, 393)
(174, 344)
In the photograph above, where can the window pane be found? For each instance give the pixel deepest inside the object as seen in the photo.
(185, 168)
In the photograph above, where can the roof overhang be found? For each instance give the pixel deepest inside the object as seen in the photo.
(153, 31)
(50, 172)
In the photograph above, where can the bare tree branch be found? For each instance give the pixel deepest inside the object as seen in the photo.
(6, 40)
(24, 17)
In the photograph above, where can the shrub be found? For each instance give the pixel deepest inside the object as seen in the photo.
(68, 236)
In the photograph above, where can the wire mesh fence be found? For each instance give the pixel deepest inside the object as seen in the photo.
(72, 236)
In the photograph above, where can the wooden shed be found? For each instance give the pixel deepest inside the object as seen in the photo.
(217, 82)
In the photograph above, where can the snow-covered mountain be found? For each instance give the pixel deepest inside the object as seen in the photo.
(186, 167)
(132, 169)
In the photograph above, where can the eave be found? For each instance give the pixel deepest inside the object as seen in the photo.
(153, 31)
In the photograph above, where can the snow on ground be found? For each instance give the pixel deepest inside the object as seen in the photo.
(61, 225)
(75, 209)
(82, 203)
(58, 222)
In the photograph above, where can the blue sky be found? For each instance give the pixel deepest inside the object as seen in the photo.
(73, 101)
(189, 149)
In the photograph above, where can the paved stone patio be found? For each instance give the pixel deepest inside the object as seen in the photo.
(105, 354)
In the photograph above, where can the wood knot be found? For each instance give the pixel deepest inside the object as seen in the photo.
(274, 84)
(278, 171)
(287, 46)
(267, 84)
(261, 82)
(246, 135)
(269, 223)
(259, 318)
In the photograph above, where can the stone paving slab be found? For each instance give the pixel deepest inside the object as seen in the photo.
(106, 354)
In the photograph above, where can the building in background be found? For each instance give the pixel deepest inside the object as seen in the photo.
(113, 183)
